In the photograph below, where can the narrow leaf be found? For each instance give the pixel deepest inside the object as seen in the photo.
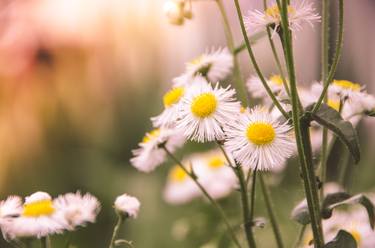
(343, 239)
(344, 130)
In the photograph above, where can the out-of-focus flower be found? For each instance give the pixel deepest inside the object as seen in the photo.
(180, 188)
(205, 110)
(299, 12)
(177, 11)
(214, 65)
(127, 205)
(214, 173)
(149, 155)
(77, 209)
(257, 90)
(259, 141)
(39, 218)
(170, 114)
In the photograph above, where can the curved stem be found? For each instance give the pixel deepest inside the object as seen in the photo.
(116, 230)
(240, 85)
(209, 197)
(255, 64)
(271, 214)
(339, 44)
(300, 236)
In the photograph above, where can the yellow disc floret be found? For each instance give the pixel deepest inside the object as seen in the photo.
(356, 235)
(177, 174)
(216, 162)
(345, 84)
(335, 104)
(274, 11)
(151, 135)
(204, 105)
(173, 96)
(260, 133)
(276, 79)
(38, 208)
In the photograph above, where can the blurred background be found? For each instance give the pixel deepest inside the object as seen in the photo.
(79, 80)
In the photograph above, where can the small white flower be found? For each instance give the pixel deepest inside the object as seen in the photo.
(214, 65)
(150, 155)
(214, 173)
(257, 90)
(205, 110)
(170, 114)
(180, 188)
(299, 12)
(77, 209)
(128, 205)
(39, 218)
(258, 141)
(11, 207)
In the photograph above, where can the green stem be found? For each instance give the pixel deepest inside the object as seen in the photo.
(240, 85)
(345, 163)
(44, 242)
(271, 214)
(116, 230)
(253, 40)
(300, 236)
(302, 135)
(339, 44)
(323, 161)
(247, 212)
(255, 64)
(208, 196)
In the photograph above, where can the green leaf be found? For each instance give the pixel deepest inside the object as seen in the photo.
(370, 113)
(301, 213)
(343, 239)
(339, 199)
(344, 130)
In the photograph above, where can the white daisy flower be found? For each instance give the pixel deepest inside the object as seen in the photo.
(39, 218)
(77, 209)
(299, 12)
(214, 65)
(180, 188)
(170, 113)
(149, 155)
(346, 89)
(258, 141)
(205, 110)
(214, 173)
(127, 205)
(11, 207)
(257, 90)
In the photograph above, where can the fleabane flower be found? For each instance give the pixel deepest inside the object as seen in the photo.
(257, 90)
(259, 141)
(10, 209)
(177, 11)
(205, 110)
(214, 173)
(214, 66)
(180, 188)
(170, 114)
(39, 218)
(299, 12)
(127, 205)
(77, 209)
(149, 155)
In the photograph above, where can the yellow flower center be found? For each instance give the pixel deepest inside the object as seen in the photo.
(277, 80)
(216, 162)
(39, 208)
(260, 133)
(242, 109)
(274, 11)
(151, 135)
(356, 235)
(345, 84)
(335, 104)
(173, 96)
(177, 174)
(204, 105)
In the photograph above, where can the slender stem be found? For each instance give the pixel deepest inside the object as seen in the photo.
(209, 197)
(240, 85)
(253, 40)
(252, 194)
(344, 168)
(300, 236)
(271, 214)
(323, 161)
(255, 64)
(44, 242)
(247, 212)
(116, 230)
(302, 134)
(339, 44)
